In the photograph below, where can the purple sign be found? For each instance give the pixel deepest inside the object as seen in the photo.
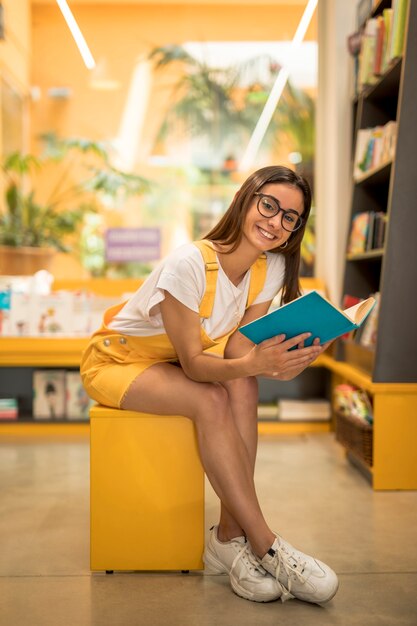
(133, 244)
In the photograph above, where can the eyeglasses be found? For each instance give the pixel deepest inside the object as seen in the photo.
(268, 206)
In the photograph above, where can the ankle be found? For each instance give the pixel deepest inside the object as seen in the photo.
(227, 533)
(260, 546)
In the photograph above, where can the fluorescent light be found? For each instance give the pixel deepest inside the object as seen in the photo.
(77, 34)
(132, 124)
(277, 89)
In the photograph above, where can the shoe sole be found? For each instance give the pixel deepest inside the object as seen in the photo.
(319, 602)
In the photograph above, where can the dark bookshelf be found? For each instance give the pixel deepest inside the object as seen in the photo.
(392, 189)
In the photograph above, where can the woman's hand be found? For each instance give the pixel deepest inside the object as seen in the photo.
(276, 359)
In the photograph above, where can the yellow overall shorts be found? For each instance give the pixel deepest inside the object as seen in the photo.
(112, 361)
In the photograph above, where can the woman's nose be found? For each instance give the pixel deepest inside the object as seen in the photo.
(275, 221)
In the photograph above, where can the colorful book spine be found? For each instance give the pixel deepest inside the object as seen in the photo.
(8, 409)
(398, 28)
(382, 41)
(358, 233)
(374, 148)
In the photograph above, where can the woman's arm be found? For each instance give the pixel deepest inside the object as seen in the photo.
(183, 329)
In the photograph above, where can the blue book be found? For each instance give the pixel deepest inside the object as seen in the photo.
(309, 313)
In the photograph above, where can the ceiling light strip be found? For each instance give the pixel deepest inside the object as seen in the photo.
(277, 89)
(77, 34)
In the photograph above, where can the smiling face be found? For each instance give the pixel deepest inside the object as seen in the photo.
(267, 233)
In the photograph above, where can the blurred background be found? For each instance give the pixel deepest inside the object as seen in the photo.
(141, 146)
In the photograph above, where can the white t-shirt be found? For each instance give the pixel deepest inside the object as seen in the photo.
(182, 274)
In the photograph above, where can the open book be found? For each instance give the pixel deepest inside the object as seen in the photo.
(309, 313)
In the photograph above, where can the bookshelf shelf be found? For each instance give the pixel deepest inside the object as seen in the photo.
(388, 371)
(376, 254)
(41, 351)
(376, 175)
(387, 84)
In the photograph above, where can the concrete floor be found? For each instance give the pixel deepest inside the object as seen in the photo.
(309, 493)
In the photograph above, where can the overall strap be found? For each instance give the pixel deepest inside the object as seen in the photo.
(257, 279)
(211, 266)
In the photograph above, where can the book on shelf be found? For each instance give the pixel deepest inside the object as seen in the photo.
(52, 314)
(358, 233)
(20, 314)
(312, 313)
(367, 53)
(267, 412)
(57, 314)
(382, 41)
(379, 47)
(367, 232)
(304, 410)
(5, 301)
(367, 337)
(77, 403)
(398, 28)
(374, 147)
(385, 59)
(8, 409)
(49, 394)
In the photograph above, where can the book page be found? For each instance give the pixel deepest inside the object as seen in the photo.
(359, 311)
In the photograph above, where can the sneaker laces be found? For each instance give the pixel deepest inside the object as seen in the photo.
(292, 565)
(251, 562)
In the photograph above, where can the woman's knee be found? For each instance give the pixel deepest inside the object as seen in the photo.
(244, 389)
(214, 403)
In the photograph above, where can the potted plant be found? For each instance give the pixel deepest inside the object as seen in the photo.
(32, 231)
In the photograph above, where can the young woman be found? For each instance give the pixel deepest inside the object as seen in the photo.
(152, 355)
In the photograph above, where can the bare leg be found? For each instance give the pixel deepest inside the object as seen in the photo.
(164, 389)
(243, 397)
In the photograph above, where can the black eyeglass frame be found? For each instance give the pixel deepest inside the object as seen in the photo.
(279, 210)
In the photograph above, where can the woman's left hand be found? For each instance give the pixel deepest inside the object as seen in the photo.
(294, 372)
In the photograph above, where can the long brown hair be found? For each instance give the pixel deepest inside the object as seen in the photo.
(229, 230)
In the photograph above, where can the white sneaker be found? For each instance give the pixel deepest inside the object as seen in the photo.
(301, 575)
(247, 577)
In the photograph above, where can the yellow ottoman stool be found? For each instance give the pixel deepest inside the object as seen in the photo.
(147, 492)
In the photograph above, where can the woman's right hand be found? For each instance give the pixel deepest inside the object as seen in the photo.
(275, 355)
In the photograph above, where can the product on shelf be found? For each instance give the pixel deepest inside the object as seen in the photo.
(49, 394)
(78, 403)
(24, 313)
(267, 412)
(313, 409)
(349, 400)
(8, 409)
